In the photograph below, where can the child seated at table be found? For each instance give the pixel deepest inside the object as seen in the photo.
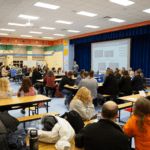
(27, 88)
(4, 88)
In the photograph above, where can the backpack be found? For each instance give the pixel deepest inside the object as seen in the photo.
(57, 93)
(16, 140)
(74, 119)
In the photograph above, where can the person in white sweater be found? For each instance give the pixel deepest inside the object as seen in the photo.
(4, 88)
(82, 103)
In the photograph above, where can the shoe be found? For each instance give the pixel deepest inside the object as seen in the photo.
(23, 111)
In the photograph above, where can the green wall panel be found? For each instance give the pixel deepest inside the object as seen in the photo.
(54, 48)
(29, 48)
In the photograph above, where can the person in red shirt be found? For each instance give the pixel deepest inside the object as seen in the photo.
(138, 126)
(50, 83)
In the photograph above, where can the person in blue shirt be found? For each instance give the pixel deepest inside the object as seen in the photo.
(79, 77)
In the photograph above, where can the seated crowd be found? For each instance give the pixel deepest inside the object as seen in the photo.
(105, 134)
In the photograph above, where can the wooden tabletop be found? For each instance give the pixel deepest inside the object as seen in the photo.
(131, 98)
(26, 99)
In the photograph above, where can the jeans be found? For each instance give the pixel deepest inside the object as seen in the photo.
(68, 93)
(53, 90)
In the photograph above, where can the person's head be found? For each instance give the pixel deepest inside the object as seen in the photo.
(116, 70)
(70, 74)
(91, 74)
(110, 72)
(39, 67)
(13, 67)
(29, 70)
(126, 74)
(130, 69)
(35, 70)
(26, 83)
(3, 66)
(50, 73)
(110, 111)
(16, 67)
(120, 72)
(4, 84)
(74, 62)
(82, 72)
(137, 73)
(85, 75)
(123, 69)
(46, 69)
(140, 70)
(60, 69)
(83, 94)
(53, 69)
(141, 110)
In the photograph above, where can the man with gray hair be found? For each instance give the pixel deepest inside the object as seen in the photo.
(105, 134)
(131, 73)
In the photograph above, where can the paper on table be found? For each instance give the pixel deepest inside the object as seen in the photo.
(132, 99)
(142, 93)
(95, 120)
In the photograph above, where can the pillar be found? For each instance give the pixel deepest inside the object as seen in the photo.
(29, 51)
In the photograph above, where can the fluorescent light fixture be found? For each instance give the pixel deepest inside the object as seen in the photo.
(122, 2)
(16, 24)
(116, 20)
(147, 11)
(28, 17)
(65, 22)
(44, 5)
(35, 32)
(7, 29)
(91, 26)
(3, 34)
(59, 34)
(73, 31)
(84, 13)
(48, 28)
(26, 35)
(20, 44)
(48, 37)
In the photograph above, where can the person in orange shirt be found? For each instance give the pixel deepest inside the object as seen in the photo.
(138, 126)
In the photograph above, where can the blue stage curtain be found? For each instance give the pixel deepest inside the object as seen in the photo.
(139, 54)
(83, 56)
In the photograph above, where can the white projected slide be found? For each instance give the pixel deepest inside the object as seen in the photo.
(112, 54)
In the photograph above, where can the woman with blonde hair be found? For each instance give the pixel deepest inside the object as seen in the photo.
(138, 126)
(4, 71)
(82, 103)
(4, 88)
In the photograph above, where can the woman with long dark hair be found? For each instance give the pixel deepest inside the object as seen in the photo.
(125, 83)
(138, 126)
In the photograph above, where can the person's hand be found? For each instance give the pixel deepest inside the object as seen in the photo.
(72, 76)
(90, 99)
(66, 85)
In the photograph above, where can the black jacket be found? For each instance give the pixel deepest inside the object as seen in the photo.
(125, 85)
(103, 135)
(65, 80)
(10, 125)
(137, 83)
(118, 76)
(36, 76)
(110, 86)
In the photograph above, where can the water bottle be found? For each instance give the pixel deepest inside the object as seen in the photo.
(33, 139)
(22, 94)
(98, 115)
(8, 95)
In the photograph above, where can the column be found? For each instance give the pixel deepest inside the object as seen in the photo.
(29, 51)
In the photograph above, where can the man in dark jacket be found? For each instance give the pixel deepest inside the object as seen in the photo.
(66, 81)
(137, 83)
(105, 134)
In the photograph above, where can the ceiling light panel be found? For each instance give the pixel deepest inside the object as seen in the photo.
(28, 17)
(48, 37)
(64, 22)
(35, 32)
(7, 29)
(116, 20)
(48, 28)
(3, 34)
(84, 13)
(147, 11)
(122, 2)
(16, 24)
(73, 31)
(59, 34)
(26, 35)
(91, 26)
(44, 5)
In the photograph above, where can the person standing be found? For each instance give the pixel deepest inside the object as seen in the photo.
(131, 73)
(75, 68)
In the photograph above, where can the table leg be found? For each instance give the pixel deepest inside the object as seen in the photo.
(47, 107)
